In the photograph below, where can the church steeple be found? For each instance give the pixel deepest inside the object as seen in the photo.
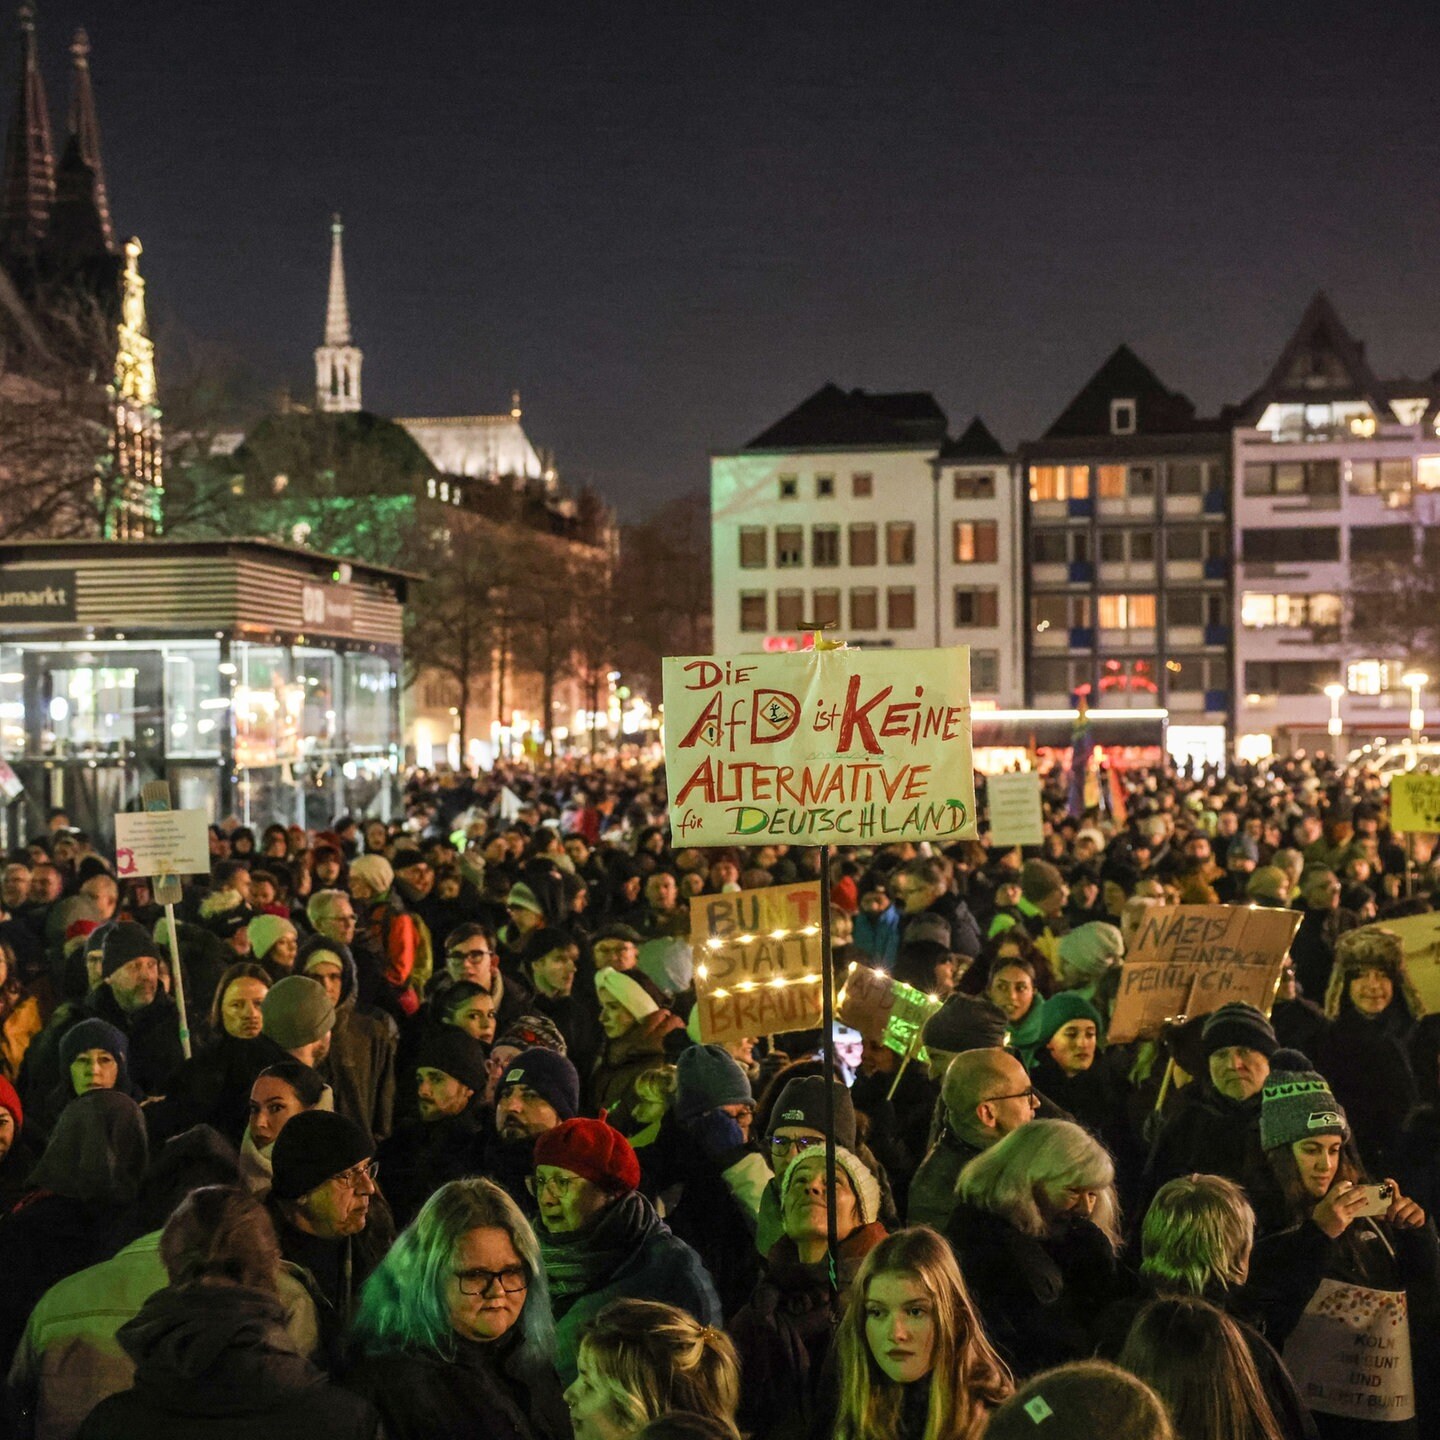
(84, 127)
(29, 180)
(337, 361)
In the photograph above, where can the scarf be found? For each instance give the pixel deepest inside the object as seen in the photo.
(583, 1260)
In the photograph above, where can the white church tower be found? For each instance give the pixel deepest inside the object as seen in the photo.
(337, 361)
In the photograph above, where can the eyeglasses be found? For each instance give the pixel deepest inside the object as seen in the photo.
(779, 1144)
(479, 1282)
(561, 1185)
(470, 954)
(1032, 1095)
(343, 919)
(353, 1179)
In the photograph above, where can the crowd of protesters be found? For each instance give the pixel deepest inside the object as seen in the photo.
(450, 1156)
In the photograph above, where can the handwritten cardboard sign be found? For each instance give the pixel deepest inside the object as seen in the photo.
(1192, 959)
(1420, 935)
(820, 747)
(757, 961)
(1415, 803)
(161, 842)
(1013, 802)
(885, 1009)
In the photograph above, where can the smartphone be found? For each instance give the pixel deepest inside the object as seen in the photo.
(1377, 1199)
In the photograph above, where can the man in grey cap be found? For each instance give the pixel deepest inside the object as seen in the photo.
(298, 1016)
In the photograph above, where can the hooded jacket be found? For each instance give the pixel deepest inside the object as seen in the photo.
(624, 1060)
(214, 1362)
(361, 1064)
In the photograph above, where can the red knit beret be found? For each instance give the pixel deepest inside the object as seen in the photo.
(10, 1101)
(593, 1150)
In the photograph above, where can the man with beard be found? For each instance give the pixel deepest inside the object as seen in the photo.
(539, 1090)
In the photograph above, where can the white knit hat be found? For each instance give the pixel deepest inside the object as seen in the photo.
(862, 1182)
(375, 870)
(612, 984)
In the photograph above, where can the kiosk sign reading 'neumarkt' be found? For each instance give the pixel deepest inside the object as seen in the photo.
(835, 747)
(28, 597)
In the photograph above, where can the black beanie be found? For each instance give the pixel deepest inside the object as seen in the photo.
(802, 1102)
(1238, 1024)
(966, 1022)
(552, 1077)
(315, 1146)
(126, 941)
(451, 1051)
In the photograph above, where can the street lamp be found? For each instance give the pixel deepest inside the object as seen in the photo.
(1334, 691)
(1415, 681)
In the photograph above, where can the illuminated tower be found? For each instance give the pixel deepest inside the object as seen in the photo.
(29, 181)
(337, 361)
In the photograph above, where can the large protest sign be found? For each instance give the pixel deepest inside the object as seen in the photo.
(1420, 937)
(1013, 804)
(884, 1009)
(820, 747)
(757, 961)
(1192, 959)
(1415, 803)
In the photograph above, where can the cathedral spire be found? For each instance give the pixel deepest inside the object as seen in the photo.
(337, 361)
(29, 181)
(84, 126)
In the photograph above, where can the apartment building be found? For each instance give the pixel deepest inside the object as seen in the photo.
(1127, 546)
(856, 510)
(1337, 492)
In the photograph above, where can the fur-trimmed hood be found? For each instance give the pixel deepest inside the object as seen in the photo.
(1371, 947)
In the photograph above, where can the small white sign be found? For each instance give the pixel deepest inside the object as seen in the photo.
(1015, 815)
(161, 842)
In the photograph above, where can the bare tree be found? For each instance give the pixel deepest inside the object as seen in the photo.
(53, 449)
(1395, 609)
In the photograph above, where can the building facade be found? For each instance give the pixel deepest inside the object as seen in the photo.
(1336, 531)
(1126, 571)
(855, 512)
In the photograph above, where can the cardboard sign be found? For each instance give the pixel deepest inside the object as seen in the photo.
(1014, 808)
(885, 1009)
(1420, 935)
(161, 842)
(1415, 803)
(1350, 1353)
(1192, 959)
(839, 747)
(757, 961)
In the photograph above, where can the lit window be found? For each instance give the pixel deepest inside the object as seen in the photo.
(1427, 475)
(976, 541)
(1059, 482)
(1110, 482)
(1127, 612)
(900, 543)
(1366, 677)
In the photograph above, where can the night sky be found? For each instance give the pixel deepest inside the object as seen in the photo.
(668, 223)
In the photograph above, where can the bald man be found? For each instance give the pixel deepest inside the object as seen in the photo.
(986, 1095)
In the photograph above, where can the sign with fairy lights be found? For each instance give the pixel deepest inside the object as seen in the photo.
(886, 1010)
(757, 961)
(1192, 959)
(829, 746)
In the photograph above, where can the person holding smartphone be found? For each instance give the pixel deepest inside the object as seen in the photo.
(1352, 1285)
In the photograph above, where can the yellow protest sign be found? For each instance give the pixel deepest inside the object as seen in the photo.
(1415, 803)
(757, 961)
(885, 1009)
(1192, 959)
(814, 747)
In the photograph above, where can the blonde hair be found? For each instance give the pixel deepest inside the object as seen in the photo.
(1045, 1157)
(652, 1359)
(654, 1089)
(967, 1378)
(1199, 1229)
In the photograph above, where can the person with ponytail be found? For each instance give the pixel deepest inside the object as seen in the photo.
(641, 1360)
(913, 1360)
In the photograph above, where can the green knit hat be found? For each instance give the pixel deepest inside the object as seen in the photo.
(1061, 1009)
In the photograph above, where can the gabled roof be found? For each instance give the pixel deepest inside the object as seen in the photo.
(833, 418)
(977, 443)
(1125, 376)
(1321, 361)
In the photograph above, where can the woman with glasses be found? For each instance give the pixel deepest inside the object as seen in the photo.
(454, 1335)
(1035, 1228)
(913, 1360)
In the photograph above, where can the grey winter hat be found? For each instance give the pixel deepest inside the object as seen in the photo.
(1298, 1105)
(707, 1077)
(297, 1012)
